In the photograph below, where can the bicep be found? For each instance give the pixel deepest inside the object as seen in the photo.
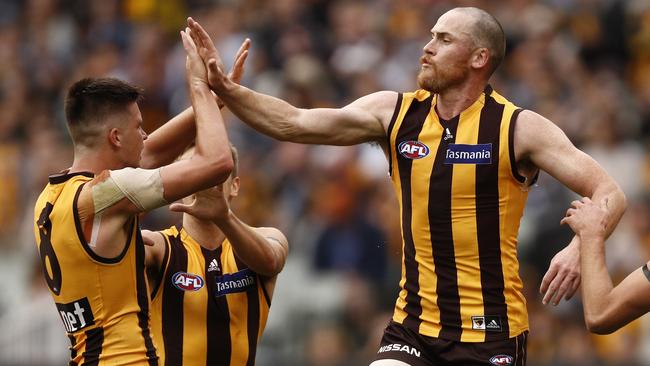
(364, 120)
(154, 249)
(276, 240)
(549, 149)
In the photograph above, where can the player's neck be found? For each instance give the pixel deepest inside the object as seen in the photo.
(94, 161)
(453, 101)
(205, 233)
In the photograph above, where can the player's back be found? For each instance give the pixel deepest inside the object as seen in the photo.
(102, 302)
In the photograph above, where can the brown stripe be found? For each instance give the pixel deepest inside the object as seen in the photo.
(442, 242)
(511, 147)
(94, 343)
(253, 320)
(218, 317)
(82, 237)
(390, 131)
(73, 350)
(410, 131)
(487, 221)
(61, 178)
(143, 296)
(172, 304)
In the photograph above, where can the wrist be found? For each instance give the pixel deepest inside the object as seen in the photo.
(591, 236)
(224, 219)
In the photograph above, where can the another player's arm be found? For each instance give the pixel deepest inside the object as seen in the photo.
(606, 308)
(264, 250)
(154, 254)
(364, 120)
(538, 141)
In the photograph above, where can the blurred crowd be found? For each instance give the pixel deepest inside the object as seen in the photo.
(584, 64)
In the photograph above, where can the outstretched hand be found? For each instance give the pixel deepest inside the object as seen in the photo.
(217, 77)
(194, 67)
(562, 279)
(563, 276)
(209, 205)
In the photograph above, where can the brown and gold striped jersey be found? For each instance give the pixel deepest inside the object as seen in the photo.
(103, 302)
(209, 308)
(461, 200)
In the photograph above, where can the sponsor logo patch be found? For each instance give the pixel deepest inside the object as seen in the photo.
(468, 154)
(487, 322)
(76, 315)
(399, 348)
(187, 281)
(501, 360)
(235, 282)
(413, 149)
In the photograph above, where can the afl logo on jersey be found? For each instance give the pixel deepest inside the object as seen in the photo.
(187, 281)
(501, 360)
(413, 149)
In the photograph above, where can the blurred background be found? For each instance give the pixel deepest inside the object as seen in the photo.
(585, 64)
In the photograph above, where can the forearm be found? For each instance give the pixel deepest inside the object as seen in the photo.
(266, 114)
(250, 247)
(616, 203)
(212, 142)
(166, 143)
(596, 283)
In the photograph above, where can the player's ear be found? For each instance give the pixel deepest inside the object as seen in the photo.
(114, 137)
(234, 187)
(480, 58)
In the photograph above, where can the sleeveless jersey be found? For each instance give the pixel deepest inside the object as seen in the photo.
(103, 302)
(461, 200)
(209, 308)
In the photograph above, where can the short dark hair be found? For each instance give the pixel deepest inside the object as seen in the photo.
(488, 32)
(89, 101)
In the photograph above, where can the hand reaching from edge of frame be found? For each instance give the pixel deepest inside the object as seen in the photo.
(587, 219)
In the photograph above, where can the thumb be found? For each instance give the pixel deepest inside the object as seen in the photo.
(213, 66)
(181, 207)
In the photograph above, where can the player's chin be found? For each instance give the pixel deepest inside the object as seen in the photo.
(426, 81)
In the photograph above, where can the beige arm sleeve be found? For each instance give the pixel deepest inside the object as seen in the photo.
(143, 187)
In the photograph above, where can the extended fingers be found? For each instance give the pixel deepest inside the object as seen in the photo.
(188, 42)
(548, 278)
(200, 33)
(238, 67)
(245, 46)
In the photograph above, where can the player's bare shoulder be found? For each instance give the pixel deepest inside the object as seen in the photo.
(381, 105)
(534, 132)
